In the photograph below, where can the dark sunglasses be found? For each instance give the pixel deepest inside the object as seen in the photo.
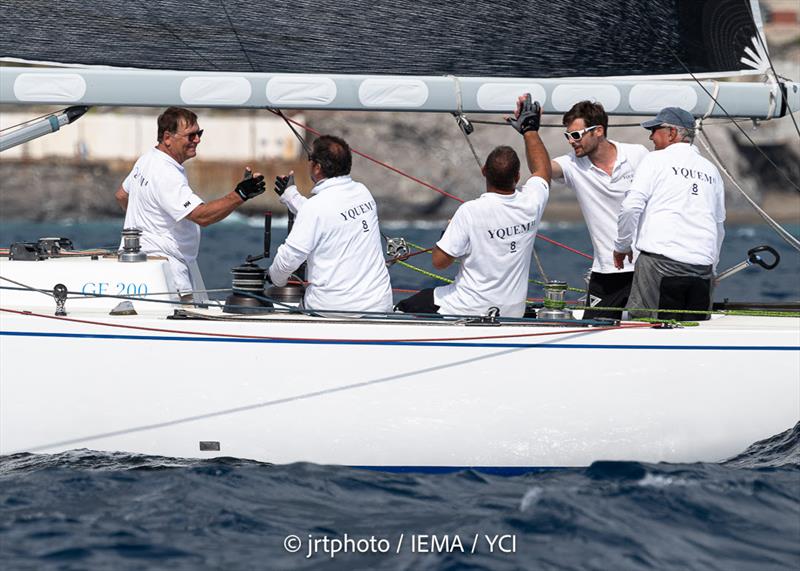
(578, 135)
(191, 135)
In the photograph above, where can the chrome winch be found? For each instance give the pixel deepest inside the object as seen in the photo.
(131, 249)
(555, 307)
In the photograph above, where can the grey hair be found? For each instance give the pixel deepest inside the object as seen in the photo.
(686, 135)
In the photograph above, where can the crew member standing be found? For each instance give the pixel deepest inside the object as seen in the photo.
(600, 172)
(157, 199)
(677, 201)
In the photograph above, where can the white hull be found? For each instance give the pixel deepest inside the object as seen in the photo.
(387, 394)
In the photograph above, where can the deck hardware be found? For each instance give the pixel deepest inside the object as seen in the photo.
(60, 295)
(554, 305)
(131, 250)
(53, 246)
(123, 308)
(396, 247)
(247, 286)
(489, 319)
(752, 258)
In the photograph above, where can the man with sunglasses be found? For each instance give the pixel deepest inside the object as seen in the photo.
(677, 203)
(600, 172)
(336, 231)
(157, 199)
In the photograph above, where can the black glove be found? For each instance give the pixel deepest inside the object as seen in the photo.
(282, 183)
(250, 187)
(528, 117)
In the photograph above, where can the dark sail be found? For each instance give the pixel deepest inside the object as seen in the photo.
(467, 38)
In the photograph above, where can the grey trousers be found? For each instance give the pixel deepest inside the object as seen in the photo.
(662, 283)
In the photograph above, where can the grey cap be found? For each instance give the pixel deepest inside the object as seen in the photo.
(671, 116)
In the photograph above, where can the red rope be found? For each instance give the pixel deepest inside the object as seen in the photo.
(229, 336)
(546, 239)
(425, 184)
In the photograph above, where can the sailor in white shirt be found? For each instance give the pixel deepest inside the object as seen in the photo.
(336, 232)
(600, 172)
(493, 235)
(677, 202)
(157, 199)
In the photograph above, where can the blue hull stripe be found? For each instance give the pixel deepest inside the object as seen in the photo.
(404, 343)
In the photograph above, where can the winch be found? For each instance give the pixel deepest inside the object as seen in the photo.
(247, 279)
(131, 249)
(554, 305)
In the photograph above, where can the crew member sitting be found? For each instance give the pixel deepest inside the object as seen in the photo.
(336, 231)
(493, 235)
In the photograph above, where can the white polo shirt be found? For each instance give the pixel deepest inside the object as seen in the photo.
(600, 198)
(493, 238)
(159, 199)
(677, 199)
(337, 232)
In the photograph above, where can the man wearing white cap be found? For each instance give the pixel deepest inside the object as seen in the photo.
(677, 202)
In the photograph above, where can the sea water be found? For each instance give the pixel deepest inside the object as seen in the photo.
(91, 510)
(226, 245)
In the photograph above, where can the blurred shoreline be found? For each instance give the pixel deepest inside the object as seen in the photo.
(59, 189)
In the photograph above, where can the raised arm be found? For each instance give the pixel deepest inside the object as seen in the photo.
(536, 153)
(526, 121)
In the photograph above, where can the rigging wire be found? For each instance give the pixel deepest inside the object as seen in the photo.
(761, 40)
(425, 184)
(505, 123)
(236, 34)
(176, 36)
(466, 128)
(303, 142)
(718, 104)
(782, 232)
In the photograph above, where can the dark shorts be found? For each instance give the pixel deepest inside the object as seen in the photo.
(612, 290)
(420, 302)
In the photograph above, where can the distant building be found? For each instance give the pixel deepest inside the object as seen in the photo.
(126, 134)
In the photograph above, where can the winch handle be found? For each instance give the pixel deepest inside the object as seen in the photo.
(754, 258)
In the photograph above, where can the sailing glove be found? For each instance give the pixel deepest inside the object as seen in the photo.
(528, 117)
(282, 183)
(250, 187)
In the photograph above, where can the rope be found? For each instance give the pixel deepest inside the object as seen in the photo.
(782, 232)
(303, 142)
(533, 281)
(539, 266)
(312, 339)
(425, 272)
(423, 183)
(718, 104)
(711, 104)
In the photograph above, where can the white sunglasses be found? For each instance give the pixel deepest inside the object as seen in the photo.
(578, 135)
